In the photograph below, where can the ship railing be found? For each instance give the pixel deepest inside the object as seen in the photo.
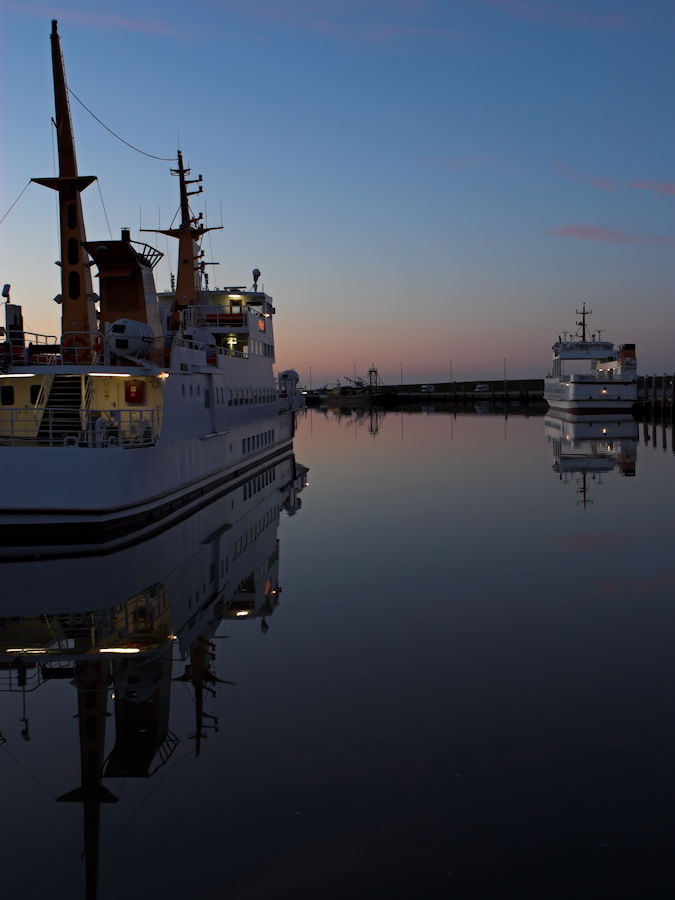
(212, 317)
(77, 427)
(213, 352)
(81, 347)
(28, 349)
(219, 316)
(596, 376)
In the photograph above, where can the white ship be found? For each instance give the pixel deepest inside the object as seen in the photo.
(591, 376)
(148, 405)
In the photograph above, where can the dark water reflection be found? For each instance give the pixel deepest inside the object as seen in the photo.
(467, 687)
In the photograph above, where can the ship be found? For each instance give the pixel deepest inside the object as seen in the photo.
(149, 404)
(589, 375)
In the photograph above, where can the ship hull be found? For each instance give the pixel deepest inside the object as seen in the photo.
(122, 495)
(585, 397)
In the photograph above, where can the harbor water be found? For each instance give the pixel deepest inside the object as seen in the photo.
(436, 657)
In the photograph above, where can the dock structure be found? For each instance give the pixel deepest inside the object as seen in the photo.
(519, 391)
(655, 396)
(516, 390)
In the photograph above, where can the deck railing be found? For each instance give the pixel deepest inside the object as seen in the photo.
(598, 376)
(77, 427)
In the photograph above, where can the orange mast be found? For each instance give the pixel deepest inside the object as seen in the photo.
(191, 229)
(78, 313)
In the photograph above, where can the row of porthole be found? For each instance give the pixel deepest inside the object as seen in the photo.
(257, 441)
(235, 396)
(251, 534)
(248, 396)
(257, 484)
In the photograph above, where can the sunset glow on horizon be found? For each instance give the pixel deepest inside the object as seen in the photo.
(429, 188)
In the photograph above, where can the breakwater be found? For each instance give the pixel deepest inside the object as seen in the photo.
(511, 390)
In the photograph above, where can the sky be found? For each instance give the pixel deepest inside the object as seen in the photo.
(429, 187)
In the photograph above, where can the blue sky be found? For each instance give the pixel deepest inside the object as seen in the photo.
(418, 181)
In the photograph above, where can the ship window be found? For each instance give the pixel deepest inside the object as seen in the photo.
(7, 395)
(74, 285)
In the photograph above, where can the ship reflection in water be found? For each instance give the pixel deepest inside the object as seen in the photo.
(586, 448)
(158, 608)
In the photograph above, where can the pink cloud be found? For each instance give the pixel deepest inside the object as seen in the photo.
(97, 20)
(601, 184)
(661, 187)
(552, 13)
(610, 236)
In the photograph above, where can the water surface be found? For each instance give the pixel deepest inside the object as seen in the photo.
(464, 687)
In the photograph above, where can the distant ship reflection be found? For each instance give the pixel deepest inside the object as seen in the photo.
(585, 449)
(154, 602)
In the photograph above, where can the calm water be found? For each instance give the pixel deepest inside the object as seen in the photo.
(465, 687)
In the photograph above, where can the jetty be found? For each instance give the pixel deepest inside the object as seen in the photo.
(460, 392)
(655, 394)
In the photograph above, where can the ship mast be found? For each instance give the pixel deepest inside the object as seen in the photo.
(583, 312)
(190, 257)
(78, 314)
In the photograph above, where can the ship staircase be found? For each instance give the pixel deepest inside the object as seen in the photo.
(61, 420)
